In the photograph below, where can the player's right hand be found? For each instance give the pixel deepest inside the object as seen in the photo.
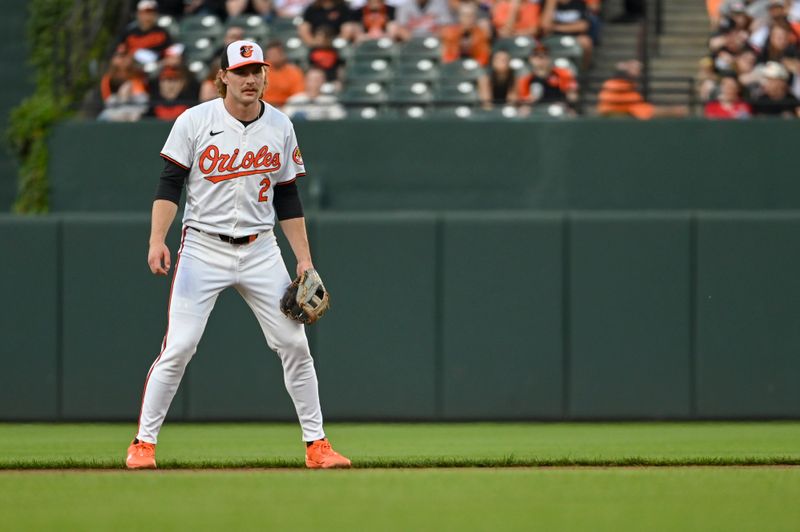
(158, 258)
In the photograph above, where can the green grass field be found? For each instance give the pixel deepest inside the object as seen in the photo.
(639, 480)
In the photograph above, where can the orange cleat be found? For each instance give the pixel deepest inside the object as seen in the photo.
(141, 455)
(320, 455)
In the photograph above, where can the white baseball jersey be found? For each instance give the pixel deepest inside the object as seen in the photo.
(232, 169)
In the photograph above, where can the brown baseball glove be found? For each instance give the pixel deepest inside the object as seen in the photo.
(306, 299)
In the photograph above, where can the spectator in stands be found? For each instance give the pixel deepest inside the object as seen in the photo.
(289, 9)
(144, 33)
(745, 67)
(775, 100)
(324, 56)
(739, 16)
(264, 9)
(208, 88)
(779, 45)
(232, 34)
(466, 39)
(620, 96)
(776, 15)
(284, 79)
(729, 44)
(175, 94)
(422, 18)
(334, 14)
(514, 18)
(375, 19)
(312, 104)
(633, 12)
(173, 56)
(498, 85)
(123, 89)
(235, 8)
(728, 103)
(546, 83)
(569, 17)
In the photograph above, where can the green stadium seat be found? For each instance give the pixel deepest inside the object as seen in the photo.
(254, 26)
(201, 49)
(285, 25)
(467, 69)
(410, 92)
(171, 25)
(430, 47)
(508, 112)
(363, 93)
(415, 112)
(564, 46)
(296, 51)
(383, 48)
(455, 91)
(550, 111)
(364, 112)
(417, 68)
(464, 112)
(199, 69)
(519, 47)
(371, 68)
(202, 26)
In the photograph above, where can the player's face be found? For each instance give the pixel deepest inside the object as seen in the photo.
(245, 84)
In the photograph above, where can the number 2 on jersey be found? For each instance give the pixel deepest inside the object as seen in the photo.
(262, 194)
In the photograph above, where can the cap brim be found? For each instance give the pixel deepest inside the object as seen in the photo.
(240, 65)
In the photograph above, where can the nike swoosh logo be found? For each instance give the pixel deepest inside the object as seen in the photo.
(215, 132)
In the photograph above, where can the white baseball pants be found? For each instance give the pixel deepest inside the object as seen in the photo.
(205, 266)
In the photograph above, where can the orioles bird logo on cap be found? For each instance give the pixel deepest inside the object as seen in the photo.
(246, 51)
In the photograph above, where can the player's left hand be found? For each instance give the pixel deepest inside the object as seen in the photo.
(304, 265)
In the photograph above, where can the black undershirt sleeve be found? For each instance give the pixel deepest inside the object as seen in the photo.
(287, 201)
(170, 185)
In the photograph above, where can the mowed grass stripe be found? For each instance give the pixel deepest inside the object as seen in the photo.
(411, 445)
(423, 463)
(614, 500)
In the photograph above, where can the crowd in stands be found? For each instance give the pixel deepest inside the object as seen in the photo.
(483, 53)
(753, 63)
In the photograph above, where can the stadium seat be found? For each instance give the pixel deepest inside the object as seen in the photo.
(369, 68)
(410, 93)
(363, 93)
(171, 25)
(455, 91)
(415, 112)
(296, 51)
(200, 49)
(280, 25)
(429, 47)
(199, 69)
(201, 26)
(417, 68)
(464, 112)
(508, 112)
(383, 48)
(467, 69)
(364, 112)
(564, 46)
(552, 111)
(518, 47)
(254, 26)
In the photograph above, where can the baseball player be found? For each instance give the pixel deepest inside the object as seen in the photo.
(238, 158)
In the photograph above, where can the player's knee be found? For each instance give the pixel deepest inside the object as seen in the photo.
(294, 347)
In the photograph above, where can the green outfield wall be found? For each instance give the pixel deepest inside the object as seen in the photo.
(467, 315)
(405, 164)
